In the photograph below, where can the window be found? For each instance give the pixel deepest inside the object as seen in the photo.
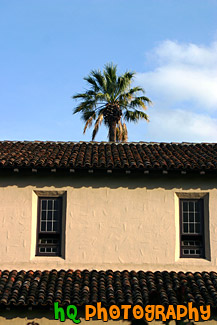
(49, 226)
(192, 228)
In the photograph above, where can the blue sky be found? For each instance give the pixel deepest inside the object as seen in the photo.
(47, 47)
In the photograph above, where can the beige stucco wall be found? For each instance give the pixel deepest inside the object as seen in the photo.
(19, 317)
(117, 222)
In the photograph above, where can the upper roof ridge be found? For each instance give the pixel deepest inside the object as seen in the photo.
(109, 155)
(107, 142)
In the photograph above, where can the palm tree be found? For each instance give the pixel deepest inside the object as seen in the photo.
(110, 99)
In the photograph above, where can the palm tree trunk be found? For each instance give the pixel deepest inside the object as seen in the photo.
(112, 131)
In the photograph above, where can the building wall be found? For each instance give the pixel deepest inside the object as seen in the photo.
(39, 317)
(112, 221)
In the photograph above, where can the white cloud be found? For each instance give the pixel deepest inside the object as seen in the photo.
(184, 72)
(183, 88)
(189, 54)
(181, 125)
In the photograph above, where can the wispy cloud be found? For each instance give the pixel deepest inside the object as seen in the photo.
(184, 72)
(181, 125)
(183, 86)
(196, 55)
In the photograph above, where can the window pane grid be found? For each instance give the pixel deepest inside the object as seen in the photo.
(191, 218)
(193, 252)
(191, 228)
(192, 247)
(49, 215)
(48, 241)
(49, 226)
(49, 245)
(48, 249)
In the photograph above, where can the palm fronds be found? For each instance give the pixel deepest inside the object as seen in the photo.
(108, 98)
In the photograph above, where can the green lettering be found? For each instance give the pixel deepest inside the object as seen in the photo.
(73, 315)
(59, 310)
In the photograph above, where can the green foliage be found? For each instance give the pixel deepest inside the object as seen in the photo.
(108, 92)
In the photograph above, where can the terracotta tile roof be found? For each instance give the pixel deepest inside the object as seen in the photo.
(89, 287)
(93, 155)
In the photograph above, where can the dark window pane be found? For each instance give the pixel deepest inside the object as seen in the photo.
(56, 204)
(43, 215)
(192, 251)
(191, 228)
(185, 217)
(191, 206)
(43, 226)
(185, 206)
(191, 217)
(185, 228)
(49, 226)
(49, 215)
(48, 249)
(55, 216)
(42, 249)
(186, 251)
(55, 226)
(197, 228)
(44, 204)
(197, 217)
(49, 204)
